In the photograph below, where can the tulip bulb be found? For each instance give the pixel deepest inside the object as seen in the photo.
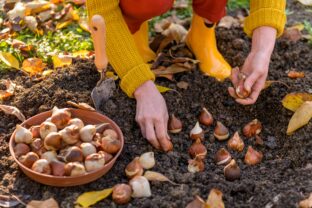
(110, 145)
(195, 166)
(72, 154)
(259, 140)
(174, 125)
(94, 162)
(87, 149)
(222, 157)
(76, 122)
(37, 145)
(35, 131)
(21, 149)
(74, 169)
(22, 135)
(70, 134)
(60, 117)
(147, 160)
(252, 129)
(140, 187)
(49, 156)
(41, 166)
(241, 92)
(198, 150)
(110, 132)
(221, 132)
(53, 141)
(232, 171)
(253, 157)
(29, 159)
(87, 133)
(47, 128)
(205, 117)
(134, 168)
(121, 193)
(197, 132)
(58, 168)
(107, 157)
(167, 145)
(236, 143)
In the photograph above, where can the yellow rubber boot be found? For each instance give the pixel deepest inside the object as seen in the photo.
(141, 41)
(202, 41)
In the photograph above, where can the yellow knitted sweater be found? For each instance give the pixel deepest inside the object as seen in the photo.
(121, 49)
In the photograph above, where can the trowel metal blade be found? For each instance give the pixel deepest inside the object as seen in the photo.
(102, 92)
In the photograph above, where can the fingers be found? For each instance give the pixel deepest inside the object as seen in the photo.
(232, 92)
(150, 134)
(162, 135)
(234, 76)
(251, 80)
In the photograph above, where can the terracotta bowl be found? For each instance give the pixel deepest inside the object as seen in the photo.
(87, 117)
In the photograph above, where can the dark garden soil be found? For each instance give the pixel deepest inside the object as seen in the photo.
(281, 180)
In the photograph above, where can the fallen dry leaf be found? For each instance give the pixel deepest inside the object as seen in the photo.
(9, 60)
(49, 203)
(306, 2)
(172, 69)
(300, 118)
(198, 202)
(9, 201)
(82, 54)
(62, 25)
(155, 176)
(183, 85)
(163, 89)
(293, 34)
(295, 74)
(268, 84)
(12, 111)
(215, 199)
(293, 101)
(229, 22)
(176, 32)
(33, 66)
(83, 106)
(306, 203)
(60, 61)
(9, 91)
(89, 198)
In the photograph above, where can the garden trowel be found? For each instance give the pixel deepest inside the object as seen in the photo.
(105, 87)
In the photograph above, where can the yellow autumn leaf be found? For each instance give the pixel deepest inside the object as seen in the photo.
(33, 65)
(62, 25)
(75, 15)
(81, 54)
(163, 89)
(60, 61)
(298, 26)
(300, 118)
(293, 101)
(9, 60)
(89, 198)
(47, 72)
(84, 25)
(110, 74)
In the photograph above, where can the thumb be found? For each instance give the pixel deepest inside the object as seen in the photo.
(250, 81)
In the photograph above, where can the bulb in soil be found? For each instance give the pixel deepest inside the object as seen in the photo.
(147, 160)
(29, 159)
(60, 117)
(167, 145)
(53, 141)
(221, 132)
(121, 193)
(253, 157)
(47, 128)
(110, 132)
(140, 186)
(252, 129)
(174, 124)
(74, 169)
(76, 122)
(222, 157)
(35, 131)
(232, 171)
(236, 143)
(58, 168)
(49, 156)
(94, 162)
(195, 166)
(197, 132)
(205, 117)
(41, 166)
(87, 133)
(87, 148)
(110, 145)
(259, 140)
(21, 149)
(198, 150)
(134, 168)
(22, 135)
(70, 134)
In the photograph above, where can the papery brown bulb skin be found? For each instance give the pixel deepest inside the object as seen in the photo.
(232, 171)
(221, 132)
(22, 135)
(174, 124)
(222, 157)
(87, 133)
(73, 154)
(259, 140)
(121, 193)
(197, 132)
(52, 141)
(74, 169)
(94, 161)
(21, 149)
(60, 117)
(253, 157)
(107, 157)
(36, 145)
(49, 156)
(76, 122)
(195, 166)
(110, 132)
(70, 134)
(236, 143)
(35, 130)
(41, 166)
(205, 117)
(241, 92)
(58, 168)
(46, 128)
(198, 150)
(29, 159)
(87, 148)
(134, 168)
(110, 145)
(252, 129)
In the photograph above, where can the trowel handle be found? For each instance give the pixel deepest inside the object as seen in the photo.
(98, 33)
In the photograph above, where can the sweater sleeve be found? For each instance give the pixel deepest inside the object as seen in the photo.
(266, 13)
(121, 49)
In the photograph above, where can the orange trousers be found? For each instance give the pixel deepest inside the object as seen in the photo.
(136, 12)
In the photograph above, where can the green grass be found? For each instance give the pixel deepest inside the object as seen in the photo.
(308, 28)
(237, 4)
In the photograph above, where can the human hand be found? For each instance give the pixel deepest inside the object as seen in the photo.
(152, 116)
(256, 66)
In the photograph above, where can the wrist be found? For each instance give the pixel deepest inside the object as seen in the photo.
(263, 40)
(144, 89)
